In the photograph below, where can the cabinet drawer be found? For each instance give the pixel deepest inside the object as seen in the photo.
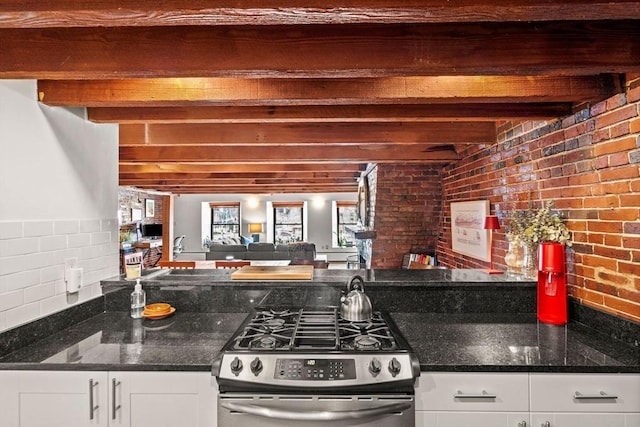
(506, 392)
(585, 392)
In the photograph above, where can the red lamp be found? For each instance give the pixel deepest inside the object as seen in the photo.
(491, 223)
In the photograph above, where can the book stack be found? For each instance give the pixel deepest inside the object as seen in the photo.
(418, 258)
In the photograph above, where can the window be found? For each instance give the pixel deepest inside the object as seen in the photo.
(347, 224)
(287, 222)
(225, 221)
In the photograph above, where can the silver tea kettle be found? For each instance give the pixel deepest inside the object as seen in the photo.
(355, 305)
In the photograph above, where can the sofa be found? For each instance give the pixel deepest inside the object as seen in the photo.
(262, 251)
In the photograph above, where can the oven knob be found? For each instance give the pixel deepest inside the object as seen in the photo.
(375, 367)
(236, 366)
(394, 367)
(256, 366)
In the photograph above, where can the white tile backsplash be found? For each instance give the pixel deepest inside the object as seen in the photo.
(23, 314)
(100, 238)
(66, 227)
(49, 274)
(79, 240)
(22, 246)
(90, 226)
(11, 300)
(32, 265)
(10, 230)
(21, 280)
(40, 292)
(38, 228)
(52, 243)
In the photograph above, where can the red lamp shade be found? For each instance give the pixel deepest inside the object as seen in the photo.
(491, 223)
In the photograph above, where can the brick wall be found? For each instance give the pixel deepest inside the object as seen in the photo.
(407, 211)
(589, 165)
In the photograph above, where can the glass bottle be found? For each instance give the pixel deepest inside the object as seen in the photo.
(138, 300)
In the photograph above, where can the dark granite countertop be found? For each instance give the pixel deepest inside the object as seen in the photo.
(443, 342)
(511, 343)
(452, 325)
(114, 341)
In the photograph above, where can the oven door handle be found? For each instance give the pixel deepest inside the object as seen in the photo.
(262, 411)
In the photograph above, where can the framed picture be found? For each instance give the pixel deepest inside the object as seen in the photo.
(150, 208)
(136, 214)
(468, 236)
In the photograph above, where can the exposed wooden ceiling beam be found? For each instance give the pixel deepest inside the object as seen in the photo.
(113, 13)
(292, 153)
(254, 189)
(237, 182)
(334, 134)
(330, 113)
(139, 167)
(256, 177)
(287, 92)
(545, 48)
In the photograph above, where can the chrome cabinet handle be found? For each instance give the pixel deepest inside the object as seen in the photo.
(92, 408)
(283, 414)
(114, 408)
(579, 396)
(483, 395)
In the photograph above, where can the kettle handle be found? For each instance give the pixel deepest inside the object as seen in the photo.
(355, 283)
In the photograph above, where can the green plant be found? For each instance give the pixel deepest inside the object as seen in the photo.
(543, 225)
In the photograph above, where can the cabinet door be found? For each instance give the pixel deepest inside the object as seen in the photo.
(569, 419)
(9, 398)
(162, 399)
(60, 399)
(475, 419)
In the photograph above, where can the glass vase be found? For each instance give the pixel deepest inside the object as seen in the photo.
(531, 261)
(515, 256)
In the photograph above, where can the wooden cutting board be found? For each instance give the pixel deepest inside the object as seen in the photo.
(272, 272)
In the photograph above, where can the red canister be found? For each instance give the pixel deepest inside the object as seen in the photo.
(552, 284)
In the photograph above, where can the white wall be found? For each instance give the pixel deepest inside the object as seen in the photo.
(58, 199)
(191, 217)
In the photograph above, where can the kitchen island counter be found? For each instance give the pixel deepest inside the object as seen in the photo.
(334, 277)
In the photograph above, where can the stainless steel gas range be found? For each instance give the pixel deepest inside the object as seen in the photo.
(302, 367)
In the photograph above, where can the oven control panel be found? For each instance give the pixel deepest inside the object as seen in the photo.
(316, 369)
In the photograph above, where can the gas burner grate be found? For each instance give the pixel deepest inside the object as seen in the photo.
(316, 330)
(271, 330)
(268, 330)
(371, 334)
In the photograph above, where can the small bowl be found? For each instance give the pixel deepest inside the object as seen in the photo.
(157, 308)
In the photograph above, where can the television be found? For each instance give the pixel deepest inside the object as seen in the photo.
(151, 230)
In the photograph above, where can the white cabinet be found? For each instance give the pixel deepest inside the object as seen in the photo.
(123, 399)
(54, 399)
(585, 400)
(167, 399)
(525, 400)
(477, 399)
